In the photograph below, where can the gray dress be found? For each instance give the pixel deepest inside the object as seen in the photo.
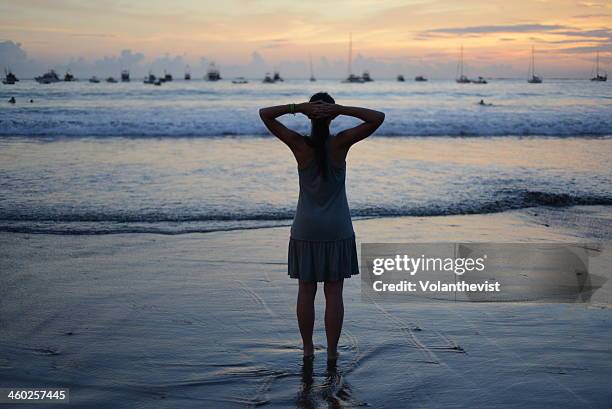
(322, 244)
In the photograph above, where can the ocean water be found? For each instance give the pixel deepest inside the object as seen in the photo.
(201, 108)
(193, 156)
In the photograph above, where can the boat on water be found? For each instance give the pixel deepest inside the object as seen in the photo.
(479, 80)
(461, 78)
(187, 75)
(213, 73)
(366, 77)
(240, 80)
(158, 82)
(150, 79)
(532, 77)
(111, 80)
(9, 78)
(351, 78)
(167, 77)
(268, 79)
(599, 77)
(48, 78)
(400, 78)
(420, 78)
(68, 77)
(277, 77)
(125, 76)
(94, 80)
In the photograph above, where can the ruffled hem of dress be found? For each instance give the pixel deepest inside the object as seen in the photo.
(320, 261)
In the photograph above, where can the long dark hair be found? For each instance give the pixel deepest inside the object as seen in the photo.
(320, 133)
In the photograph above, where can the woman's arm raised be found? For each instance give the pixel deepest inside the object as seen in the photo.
(371, 121)
(268, 115)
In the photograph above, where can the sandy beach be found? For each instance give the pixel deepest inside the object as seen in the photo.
(207, 320)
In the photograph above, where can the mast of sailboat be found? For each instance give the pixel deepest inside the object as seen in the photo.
(532, 63)
(461, 62)
(350, 55)
(311, 70)
(597, 64)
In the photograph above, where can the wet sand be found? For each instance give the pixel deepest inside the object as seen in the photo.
(207, 320)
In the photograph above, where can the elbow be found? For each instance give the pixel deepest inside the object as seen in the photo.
(380, 118)
(262, 113)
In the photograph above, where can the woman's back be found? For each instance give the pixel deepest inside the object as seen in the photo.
(322, 211)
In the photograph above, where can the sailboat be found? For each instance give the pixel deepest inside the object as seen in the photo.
(533, 78)
(68, 77)
(400, 78)
(598, 77)
(187, 76)
(48, 78)
(9, 77)
(277, 77)
(150, 79)
(125, 76)
(312, 77)
(351, 77)
(420, 78)
(268, 79)
(213, 73)
(461, 79)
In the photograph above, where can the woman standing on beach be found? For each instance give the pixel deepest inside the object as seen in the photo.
(322, 243)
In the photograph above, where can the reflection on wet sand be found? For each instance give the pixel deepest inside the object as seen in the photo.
(331, 391)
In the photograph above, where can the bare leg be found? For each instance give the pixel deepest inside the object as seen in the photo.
(306, 314)
(334, 315)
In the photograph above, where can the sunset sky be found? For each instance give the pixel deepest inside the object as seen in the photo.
(249, 36)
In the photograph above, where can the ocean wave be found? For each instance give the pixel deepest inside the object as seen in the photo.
(105, 222)
(54, 128)
(210, 121)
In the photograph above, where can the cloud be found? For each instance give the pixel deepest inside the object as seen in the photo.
(477, 30)
(591, 4)
(14, 57)
(599, 15)
(600, 33)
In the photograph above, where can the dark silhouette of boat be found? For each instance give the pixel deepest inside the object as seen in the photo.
(366, 77)
(125, 76)
(187, 75)
(479, 80)
(167, 77)
(149, 79)
(400, 78)
(48, 78)
(68, 77)
(213, 73)
(599, 77)
(240, 80)
(268, 79)
(353, 78)
(533, 78)
(94, 80)
(9, 78)
(420, 78)
(277, 77)
(111, 80)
